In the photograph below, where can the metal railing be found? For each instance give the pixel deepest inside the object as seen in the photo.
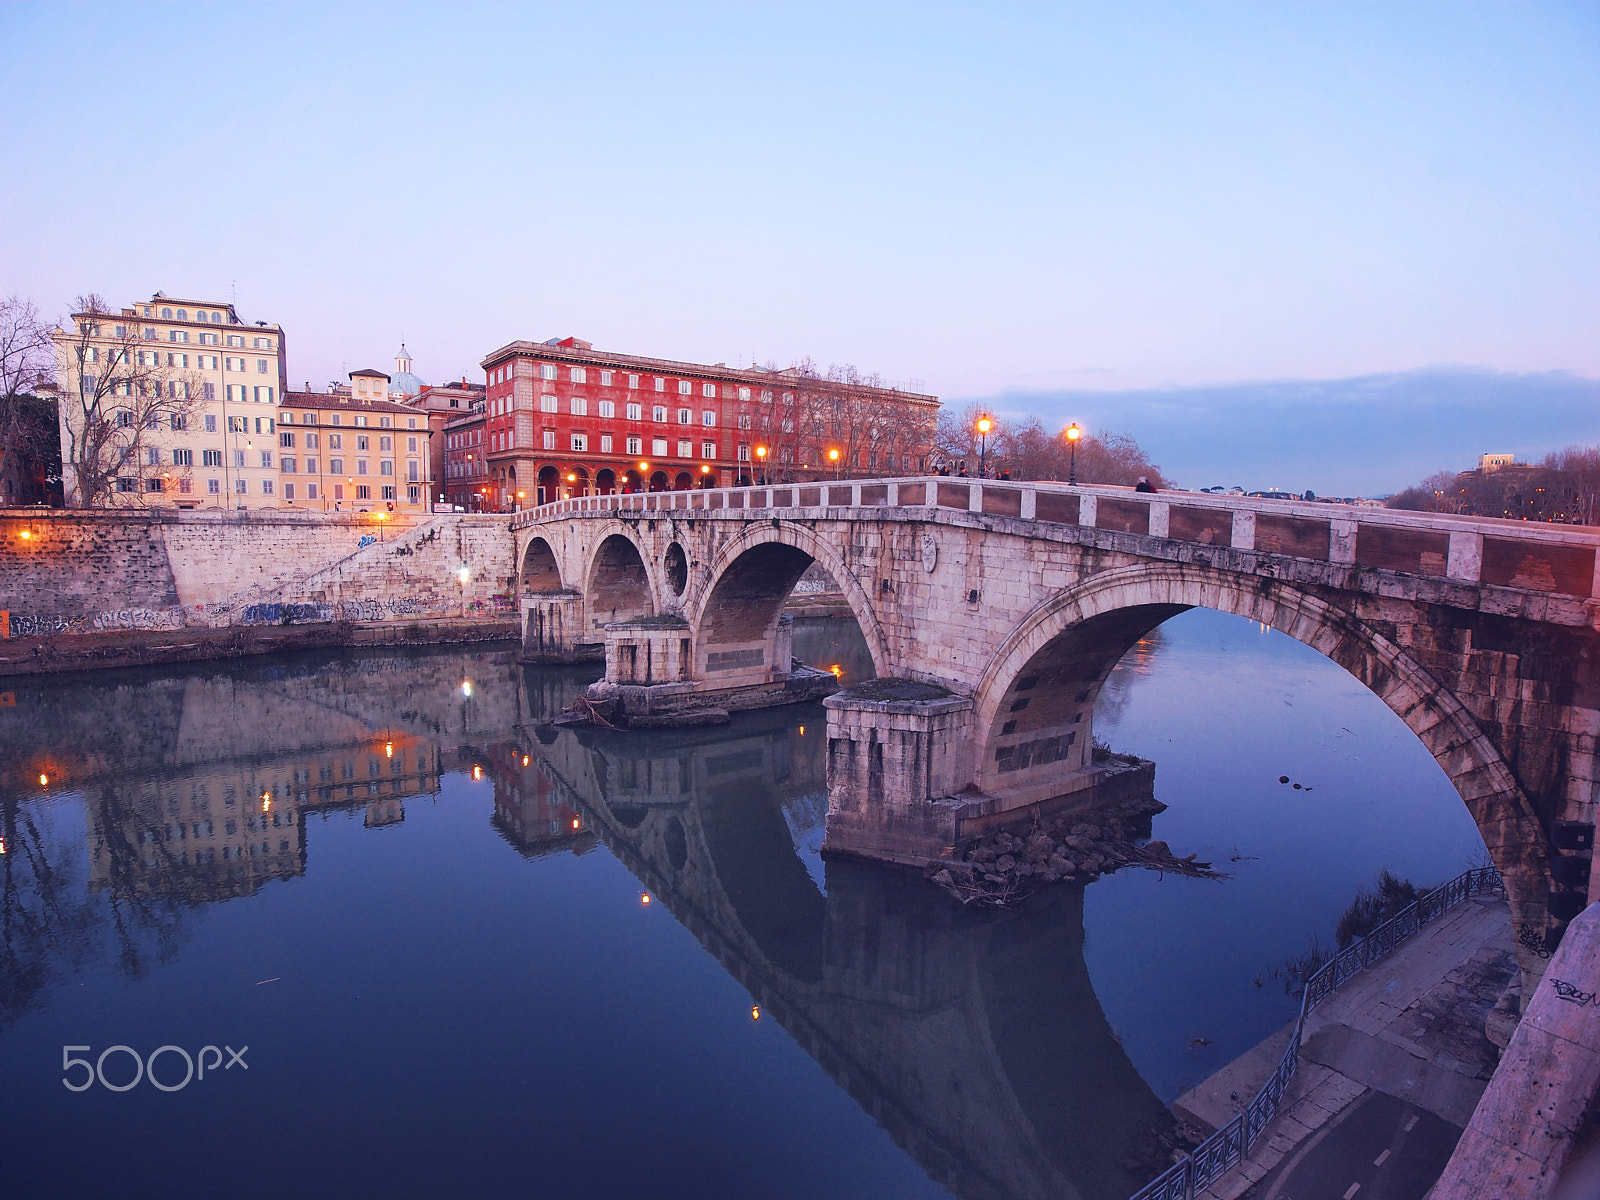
(1231, 1144)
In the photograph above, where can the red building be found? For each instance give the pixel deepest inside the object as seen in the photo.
(466, 465)
(563, 419)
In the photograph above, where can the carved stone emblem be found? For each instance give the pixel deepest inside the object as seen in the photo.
(930, 552)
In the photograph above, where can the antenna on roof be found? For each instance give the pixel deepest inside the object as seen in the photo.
(233, 293)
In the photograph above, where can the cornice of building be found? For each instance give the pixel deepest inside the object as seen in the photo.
(754, 376)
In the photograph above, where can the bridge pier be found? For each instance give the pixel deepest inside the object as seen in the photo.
(656, 676)
(551, 625)
(901, 764)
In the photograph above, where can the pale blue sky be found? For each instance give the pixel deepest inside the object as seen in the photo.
(1019, 202)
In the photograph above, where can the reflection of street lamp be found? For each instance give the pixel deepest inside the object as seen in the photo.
(984, 425)
(1073, 434)
(761, 465)
(833, 457)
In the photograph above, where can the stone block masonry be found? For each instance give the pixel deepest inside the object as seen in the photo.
(65, 573)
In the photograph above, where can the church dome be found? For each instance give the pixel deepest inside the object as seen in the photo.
(403, 381)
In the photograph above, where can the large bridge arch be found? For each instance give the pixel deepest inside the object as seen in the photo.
(618, 585)
(743, 590)
(538, 568)
(1078, 635)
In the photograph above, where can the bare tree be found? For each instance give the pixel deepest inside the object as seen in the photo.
(29, 441)
(119, 392)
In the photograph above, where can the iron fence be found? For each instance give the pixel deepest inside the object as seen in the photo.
(1230, 1145)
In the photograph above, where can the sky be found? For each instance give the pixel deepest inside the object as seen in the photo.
(1335, 247)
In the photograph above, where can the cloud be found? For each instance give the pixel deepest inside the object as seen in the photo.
(1367, 435)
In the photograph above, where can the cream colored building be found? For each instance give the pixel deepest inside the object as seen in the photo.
(353, 449)
(222, 453)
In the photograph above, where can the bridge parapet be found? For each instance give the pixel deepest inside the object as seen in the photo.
(1516, 556)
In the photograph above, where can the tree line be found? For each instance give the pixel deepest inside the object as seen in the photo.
(1564, 488)
(1026, 449)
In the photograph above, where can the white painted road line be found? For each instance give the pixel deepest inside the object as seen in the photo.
(1354, 1188)
(1378, 1162)
(1410, 1123)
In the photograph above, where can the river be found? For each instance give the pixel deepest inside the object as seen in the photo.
(460, 954)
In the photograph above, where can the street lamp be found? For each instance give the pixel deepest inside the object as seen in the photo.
(984, 425)
(761, 466)
(1073, 434)
(705, 473)
(833, 457)
(521, 496)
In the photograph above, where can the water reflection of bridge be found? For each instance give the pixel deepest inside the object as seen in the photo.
(974, 1039)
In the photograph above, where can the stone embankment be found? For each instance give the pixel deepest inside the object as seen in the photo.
(97, 589)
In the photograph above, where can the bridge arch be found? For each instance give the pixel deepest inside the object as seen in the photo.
(618, 586)
(752, 575)
(540, 570)
(1075, 638)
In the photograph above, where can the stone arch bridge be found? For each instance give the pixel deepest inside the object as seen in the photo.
(994, 612)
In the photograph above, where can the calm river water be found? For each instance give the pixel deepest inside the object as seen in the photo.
(441, 952)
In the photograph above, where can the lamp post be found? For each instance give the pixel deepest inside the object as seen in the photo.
(705, 476)
(761, 466)
(521, 496)
(644, 478)
(1073, 434)
(984, 425)
(833, 457)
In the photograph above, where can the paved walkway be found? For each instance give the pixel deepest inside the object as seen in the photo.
(1392, 1065)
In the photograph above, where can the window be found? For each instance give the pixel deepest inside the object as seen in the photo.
(658, 447)
(411, 445)
(214, 486)
(605, 443)
(659, 413)
(661, 384)
(580, 441)
(635, 412)
(363, 492)
(414, 495)
(211, 458)
(288, 491)
(311, 491)
(411, 422)
(286, 464)
(240, 487)
(308, 419)
(605, 378)
(237, 342)
(153, 485)
(186, 486)
(361, 421)
(261, 366)
(262, 343)
(336, 441)
(210, 339)
(178, 422)
(183, 458)
(685, 388)
(336, 466)
(685, 448)
(549, 404)
(708, 418)
(386, 467)
(633, 381)
(708, 390)
(311, 468)
(263, 395)
(363, 443)
(152, 456)
(285, 439)
(338, 491)
(386, 443)
(177, 335)
(266, 460)
(744, 393)
(744, 420)
(744, 452)
(608, 409)
(124, 418)
(333, 420)
(384, 423)
(635, 445)
(580, 406)
(412, 472)
(126, 485)
(266, 487)
(580, 375)
(388, 494)
(361, 466)
(547, 370)
(708, 449)
(549, 439)
(685, 416)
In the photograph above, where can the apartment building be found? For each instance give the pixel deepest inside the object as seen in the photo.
(169, 402)
(466, 465)
(563, 419)
(353, 450)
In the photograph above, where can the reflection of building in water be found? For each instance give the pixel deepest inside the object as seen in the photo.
(528, 811)
(225, 829)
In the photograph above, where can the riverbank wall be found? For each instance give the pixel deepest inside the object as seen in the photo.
(82, 589)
